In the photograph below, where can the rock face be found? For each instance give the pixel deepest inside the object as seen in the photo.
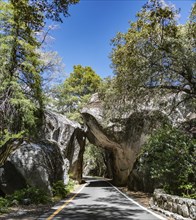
(37, 165)
(70, 138)
(124, 134)
(45, 161)
(123, 137)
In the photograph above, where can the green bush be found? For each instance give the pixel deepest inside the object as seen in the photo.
(70, 185)
(170, 156)
(61, 190)
(34, 195)
(4, 203)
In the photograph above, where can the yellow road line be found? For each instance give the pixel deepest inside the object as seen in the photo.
(65, 204)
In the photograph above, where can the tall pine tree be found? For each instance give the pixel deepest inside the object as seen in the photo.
(20, 74)
(21, 99)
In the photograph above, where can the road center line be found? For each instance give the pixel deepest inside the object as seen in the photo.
(65, 204)
(156, 215)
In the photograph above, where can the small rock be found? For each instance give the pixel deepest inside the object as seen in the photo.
(15, 202)
(159, 191)
(151, 202)
(174, 208)
(26, 201)
(168, 206)
(179, 209)
(193, 212)
(185, 211)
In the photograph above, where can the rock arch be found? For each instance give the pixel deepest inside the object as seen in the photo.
(123, 138)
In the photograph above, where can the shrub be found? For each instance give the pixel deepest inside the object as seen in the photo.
(61, 190)
(170, 156)
(34, 195)
(3, 205)
(70, 185)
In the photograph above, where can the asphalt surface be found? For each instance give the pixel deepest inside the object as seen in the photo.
(98, 200)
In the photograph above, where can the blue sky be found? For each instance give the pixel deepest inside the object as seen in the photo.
(85, 37)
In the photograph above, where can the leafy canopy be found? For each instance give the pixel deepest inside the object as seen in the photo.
(169, 156)
(21, 95)
(76, 90)
(156, 55)
(53, 9)
(20, 90)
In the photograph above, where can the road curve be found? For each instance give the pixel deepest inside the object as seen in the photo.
(99, 200)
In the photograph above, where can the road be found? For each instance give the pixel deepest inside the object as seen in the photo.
(99, 200)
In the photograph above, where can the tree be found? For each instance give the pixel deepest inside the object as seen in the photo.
(53, 9)
(156, 55)
(94, 160)
(169, 158)
(52, 69)
(76, 90)
(20, 82)
(21, 96)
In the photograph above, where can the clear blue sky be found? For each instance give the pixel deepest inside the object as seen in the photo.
(84, 37)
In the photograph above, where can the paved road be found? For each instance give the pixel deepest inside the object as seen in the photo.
(99, 200)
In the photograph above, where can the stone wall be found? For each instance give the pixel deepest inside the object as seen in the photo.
(174, 206)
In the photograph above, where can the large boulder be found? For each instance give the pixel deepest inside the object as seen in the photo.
(70, 137)
(40, 163)
(34, 164)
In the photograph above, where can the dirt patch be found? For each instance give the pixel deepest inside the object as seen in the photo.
(140, 197)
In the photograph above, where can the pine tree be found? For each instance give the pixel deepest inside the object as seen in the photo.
(20, 82)
(21, 98)
(76, 91)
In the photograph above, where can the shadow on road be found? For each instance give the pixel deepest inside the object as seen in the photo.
(100, 201)
(98, 183)
(99, 212)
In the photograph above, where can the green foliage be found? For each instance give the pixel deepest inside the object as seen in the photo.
(169, 155)
(4, 204)
(94, 160)
(70, 185)
(74, 93)
(20, 90)
(34, 195)
(53, 9)
(21, 96)
(113, 101)
(61, 190)
(156, 55)
(5, 136)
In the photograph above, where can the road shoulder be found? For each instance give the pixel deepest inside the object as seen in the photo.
(142, 198)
